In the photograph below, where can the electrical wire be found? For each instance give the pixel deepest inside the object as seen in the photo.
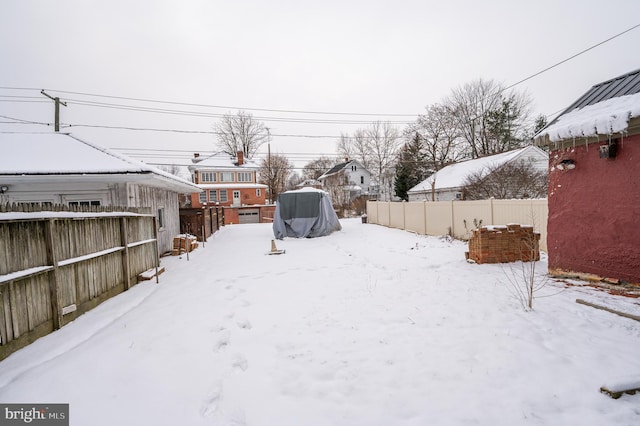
(274, 119)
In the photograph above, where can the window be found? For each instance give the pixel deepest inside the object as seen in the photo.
(202, 197)
(213, 195)
(84, 203)
(258, 192)
(244, 177)
(361, 179)
(208, 176)
(161, 218)
(226, 177)
(223, 195)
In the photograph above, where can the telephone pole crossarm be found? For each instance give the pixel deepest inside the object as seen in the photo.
(57, 102)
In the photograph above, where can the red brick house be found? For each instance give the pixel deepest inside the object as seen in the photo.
(230, 182)
(594, 178)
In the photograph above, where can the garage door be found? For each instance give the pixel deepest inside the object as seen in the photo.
(249, 216)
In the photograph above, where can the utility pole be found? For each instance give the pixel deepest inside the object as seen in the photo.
(57, 102)
(269, 166)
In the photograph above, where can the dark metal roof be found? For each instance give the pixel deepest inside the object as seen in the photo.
(628, 84)
(336, 168)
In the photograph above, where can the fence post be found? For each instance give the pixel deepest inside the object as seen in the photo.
(424, 211)
(404, 215)
(453, 223)
(155, 235)
(491, 208)
(54, 287)
(124, 239)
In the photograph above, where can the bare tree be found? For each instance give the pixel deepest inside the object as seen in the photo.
(339, 189)
(384, 144)
(376, 148)
(511, 180)
(274, 172)
(240, 132)
(490, 119)
(440, 136)
(315, 168)
(294, 180)
(174, 169)
(356, 147)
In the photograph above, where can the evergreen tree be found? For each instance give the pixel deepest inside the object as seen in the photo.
(410, 168)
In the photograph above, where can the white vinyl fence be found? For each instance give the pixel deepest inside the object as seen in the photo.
(459, 218)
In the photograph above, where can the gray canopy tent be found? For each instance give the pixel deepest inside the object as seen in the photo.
(304, 213)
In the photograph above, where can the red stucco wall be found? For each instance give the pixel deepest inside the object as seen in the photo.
(594, 212)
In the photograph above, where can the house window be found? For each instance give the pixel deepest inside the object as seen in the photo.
(202, 197)
(84, 203)
(208, 176)
(258, 192)
(213, 195)
(244, 177)
(226, 177)
(223, 195)
(361, 179)
(161, 218)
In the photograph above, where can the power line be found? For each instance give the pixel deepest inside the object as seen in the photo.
(215, 115)
(279, 119)
(291, 111)
(572, 57)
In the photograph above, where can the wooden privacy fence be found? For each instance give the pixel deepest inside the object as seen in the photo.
(459, 218)
(54, 266)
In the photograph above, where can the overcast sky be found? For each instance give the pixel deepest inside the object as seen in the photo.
(365, 57)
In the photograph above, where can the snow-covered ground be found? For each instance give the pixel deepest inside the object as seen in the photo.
(368, 326)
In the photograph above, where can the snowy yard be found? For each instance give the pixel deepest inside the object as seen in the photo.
(368, 326)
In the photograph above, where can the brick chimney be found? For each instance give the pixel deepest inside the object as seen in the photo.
(240, 158)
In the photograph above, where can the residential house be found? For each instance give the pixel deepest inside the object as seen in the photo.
(309, 183)
(447, 183)
(230, 182)
(58, 168)
(594, 200)
(347, 181)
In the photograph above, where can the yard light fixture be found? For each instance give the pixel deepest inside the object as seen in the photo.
(3, 189)
(568, 164)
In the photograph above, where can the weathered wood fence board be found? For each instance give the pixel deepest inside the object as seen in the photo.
(459, 218)
(54, 268)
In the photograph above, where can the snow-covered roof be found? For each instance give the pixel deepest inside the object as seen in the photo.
(605, 109)
(306, 189)
(221, 161)
(603, 118)
(232, 185)
(454, 175)
(61, 154)
(339, 167)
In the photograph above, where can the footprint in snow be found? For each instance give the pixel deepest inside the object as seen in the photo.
(243, 323)
(222, 341)
(240, 362)
(211, 402)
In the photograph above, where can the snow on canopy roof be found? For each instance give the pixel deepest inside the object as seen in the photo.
(603, 118)
(305, 189)
(62, 154)
(454, 175)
